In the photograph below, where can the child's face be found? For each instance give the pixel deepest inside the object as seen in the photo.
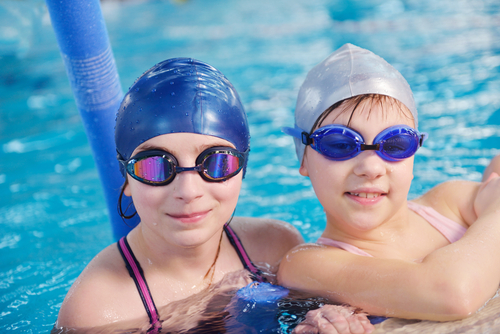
(366, 190)
(188, 211)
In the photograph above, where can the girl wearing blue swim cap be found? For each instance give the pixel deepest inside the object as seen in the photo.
(182, 140)
(355, 134)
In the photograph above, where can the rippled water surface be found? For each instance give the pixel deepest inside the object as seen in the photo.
(52, 214)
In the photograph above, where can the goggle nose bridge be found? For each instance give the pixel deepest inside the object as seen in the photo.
(178, 169)
(364, 147)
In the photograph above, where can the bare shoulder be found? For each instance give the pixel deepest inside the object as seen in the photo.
(97, 296)
(453, 199)
(266, 240)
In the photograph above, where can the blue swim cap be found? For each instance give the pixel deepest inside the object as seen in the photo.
(180, 95)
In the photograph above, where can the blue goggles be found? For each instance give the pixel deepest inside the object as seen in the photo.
(338, 142)
(158, 168)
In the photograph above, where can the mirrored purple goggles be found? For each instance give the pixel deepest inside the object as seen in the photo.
(338, 142)
(158, 168)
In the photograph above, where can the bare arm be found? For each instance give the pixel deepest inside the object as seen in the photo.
(450, 283)
(494, 166)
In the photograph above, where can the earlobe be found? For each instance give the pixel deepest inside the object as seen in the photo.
(303, 170)
(126, 190)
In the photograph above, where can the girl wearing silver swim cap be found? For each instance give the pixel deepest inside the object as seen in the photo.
(356, 134)
(182, 141)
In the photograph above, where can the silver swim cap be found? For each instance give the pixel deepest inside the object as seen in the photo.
(347, 72)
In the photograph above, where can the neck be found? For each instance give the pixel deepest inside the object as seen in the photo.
(367, 232)
(184, 263)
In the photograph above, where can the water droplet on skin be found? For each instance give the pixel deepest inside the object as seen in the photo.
(137, 122)
(172, 93)
(171, 82)
(153, 90)
(137, 89)
(173, 107)
(140, 109)
(187, 114)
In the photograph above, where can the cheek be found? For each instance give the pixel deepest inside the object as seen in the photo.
(227, 192)
(326, 176)
(234, 188)
(226, 195)
(145, 197)
(402, 173)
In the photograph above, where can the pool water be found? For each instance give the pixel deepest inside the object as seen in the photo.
(53, 217)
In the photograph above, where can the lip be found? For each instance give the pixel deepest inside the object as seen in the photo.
(189, 218)
(369, 196)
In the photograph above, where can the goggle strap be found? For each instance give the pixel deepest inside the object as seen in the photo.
(423, 137)
(306, 139)
(298, 133)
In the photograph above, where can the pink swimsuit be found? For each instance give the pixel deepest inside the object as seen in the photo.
(450, 229)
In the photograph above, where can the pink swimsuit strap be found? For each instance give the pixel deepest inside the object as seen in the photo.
(450, 229)
(342, 245)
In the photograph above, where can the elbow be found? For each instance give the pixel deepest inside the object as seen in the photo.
(458, 308)
(461, 300)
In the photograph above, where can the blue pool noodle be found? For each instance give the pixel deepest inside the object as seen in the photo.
(84, 44)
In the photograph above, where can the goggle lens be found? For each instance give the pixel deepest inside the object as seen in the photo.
(221, 165)
(400, 146)
(338, 146)
(152, 169)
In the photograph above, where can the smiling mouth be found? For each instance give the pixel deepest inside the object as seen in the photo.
(366, 195)
(193, 215)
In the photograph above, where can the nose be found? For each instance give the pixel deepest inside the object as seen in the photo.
(188, 185)
(369, 165)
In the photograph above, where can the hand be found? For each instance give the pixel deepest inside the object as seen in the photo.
(488, 195)
(334, 319)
